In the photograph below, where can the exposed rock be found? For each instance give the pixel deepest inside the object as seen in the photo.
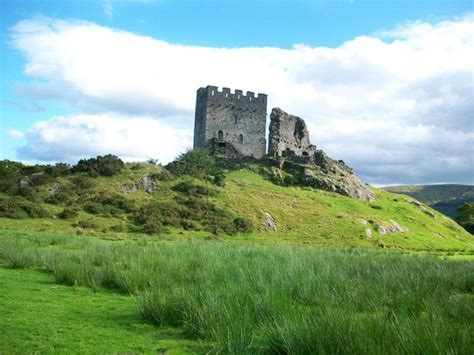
(393, 227)
(321, 172)
(127, 188)
(368, 232)
(423, 208)
(270, 221)
(55, 187)
(23, 183)
(148, 184)
(288, 135)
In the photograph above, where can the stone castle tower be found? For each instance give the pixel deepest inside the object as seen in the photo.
(231, 121)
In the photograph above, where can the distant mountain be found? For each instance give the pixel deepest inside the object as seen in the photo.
(446, 198)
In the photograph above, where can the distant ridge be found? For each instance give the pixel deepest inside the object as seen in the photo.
(445, 198)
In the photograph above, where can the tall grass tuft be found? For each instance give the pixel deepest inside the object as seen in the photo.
(276, 299)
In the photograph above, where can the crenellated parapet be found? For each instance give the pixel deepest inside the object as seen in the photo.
(213, 92)
(231, 118)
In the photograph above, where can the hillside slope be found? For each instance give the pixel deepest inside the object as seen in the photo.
(446, 198)
(247, 207)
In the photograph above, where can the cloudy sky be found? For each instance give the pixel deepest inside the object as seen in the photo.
(385, 86)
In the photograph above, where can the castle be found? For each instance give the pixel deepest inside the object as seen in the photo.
(234, 124)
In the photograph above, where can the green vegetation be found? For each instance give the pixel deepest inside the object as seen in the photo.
(241, 298)
(446, 198)
(201, 200)
(107, 165)
(39, 316)
(466, 216)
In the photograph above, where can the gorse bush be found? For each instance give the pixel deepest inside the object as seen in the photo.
(194, 162)
(273, 299)
(18, 207)
(107, 165)
(191, 189)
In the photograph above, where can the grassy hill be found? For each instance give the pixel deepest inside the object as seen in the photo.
(139, 258)
(244, 206)
(446, 198)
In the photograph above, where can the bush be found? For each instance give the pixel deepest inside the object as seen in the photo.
(36, 211)
(119, 202)
(219, 179)
(107, 165)
(12, 208)
(191, 189)
(69, 213)
(60, 197)
(195, 162)
(17, 208)
(88, 224)
(59, 169)
(97, 208)
(83, 182)
(40, 179)
(242, 225)
(466, 216)
(163, 175)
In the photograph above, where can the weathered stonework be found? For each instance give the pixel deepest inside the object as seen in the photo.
(235, 119)
(288, 135)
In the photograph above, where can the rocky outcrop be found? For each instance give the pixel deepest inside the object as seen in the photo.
(318, 171)
(295, 161)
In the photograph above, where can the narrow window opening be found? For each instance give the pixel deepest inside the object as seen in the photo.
(226, 95)
(220, 136)
(236, 120)
(212, 93)
(241, 138)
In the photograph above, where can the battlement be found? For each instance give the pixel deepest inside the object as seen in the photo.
(213, 92)
(231, 119)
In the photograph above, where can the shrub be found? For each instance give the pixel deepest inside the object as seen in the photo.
(194, 162)
(17, 208)
(163, 175)
(35, 210)
(40, 179)
(59, 169)
(60, 197)
(107, 165)
(242, 225)
(83, 182)
(119, 202)
(97, 208)
(88, 224)
(219, 179)
(191, 189)
(68, 213)
(12, 208)
(466, 216)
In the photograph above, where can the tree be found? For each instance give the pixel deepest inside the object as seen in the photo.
(466, 216)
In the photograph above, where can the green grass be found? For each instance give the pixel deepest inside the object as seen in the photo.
(304, 216)
(247, 298)
(40, 316)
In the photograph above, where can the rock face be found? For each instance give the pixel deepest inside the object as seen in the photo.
(295, 161)
(288, 135)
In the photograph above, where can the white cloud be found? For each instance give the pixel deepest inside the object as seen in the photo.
(108, 9)
(14, 133)
(70, 138)
(397, 106)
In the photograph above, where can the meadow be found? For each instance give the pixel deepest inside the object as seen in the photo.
(248, 298)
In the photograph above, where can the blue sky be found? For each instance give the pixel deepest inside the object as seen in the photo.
(325, 52)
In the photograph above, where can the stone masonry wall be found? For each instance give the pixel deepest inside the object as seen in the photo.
(288, 135)
(232, 118)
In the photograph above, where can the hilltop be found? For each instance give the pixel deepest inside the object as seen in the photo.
(241, 204)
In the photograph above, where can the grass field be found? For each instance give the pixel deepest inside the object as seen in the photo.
(237, 298)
